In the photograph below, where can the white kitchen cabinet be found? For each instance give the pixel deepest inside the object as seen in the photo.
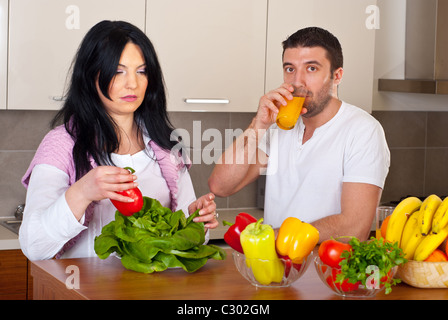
(3, 51)
(44, 38)
(212, 52)
(353, 22)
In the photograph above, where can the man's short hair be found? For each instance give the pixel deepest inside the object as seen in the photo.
(317, 37)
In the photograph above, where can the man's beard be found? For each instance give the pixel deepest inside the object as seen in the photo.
(319, 102)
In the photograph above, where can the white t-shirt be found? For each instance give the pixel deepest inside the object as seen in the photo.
(48, 214)
(305, 180)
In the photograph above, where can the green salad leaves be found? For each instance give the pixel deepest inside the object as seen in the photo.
(155, 238)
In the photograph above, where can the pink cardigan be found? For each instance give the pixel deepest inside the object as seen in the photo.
(56, 150)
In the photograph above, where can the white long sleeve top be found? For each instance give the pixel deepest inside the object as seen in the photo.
(48, 223)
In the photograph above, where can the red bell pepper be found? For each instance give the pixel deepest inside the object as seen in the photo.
(129, 208)
(289, 264)
(232, 236)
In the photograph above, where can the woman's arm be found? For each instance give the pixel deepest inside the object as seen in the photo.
(55, 210)
(189, 204)
(48, 222)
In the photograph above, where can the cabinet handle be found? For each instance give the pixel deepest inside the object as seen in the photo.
(224, 101)
(57, 98)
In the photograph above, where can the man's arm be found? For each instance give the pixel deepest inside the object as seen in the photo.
(358, 206)
(240, 164)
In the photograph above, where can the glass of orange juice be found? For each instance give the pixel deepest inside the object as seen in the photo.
(288, 115)
(382, 213)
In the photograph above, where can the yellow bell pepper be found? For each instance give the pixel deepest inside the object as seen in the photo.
(258, 242)
(296, 239)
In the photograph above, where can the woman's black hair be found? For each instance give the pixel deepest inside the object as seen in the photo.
(83, 113)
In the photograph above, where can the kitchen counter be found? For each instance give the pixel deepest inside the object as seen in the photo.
(8, 239)
(217, 280)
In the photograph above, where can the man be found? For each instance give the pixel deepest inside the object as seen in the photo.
(329, 170)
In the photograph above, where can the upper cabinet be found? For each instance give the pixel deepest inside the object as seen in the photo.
(212, 52)
(353, 22)
(3, 51)
(44, 38)
(216, 55)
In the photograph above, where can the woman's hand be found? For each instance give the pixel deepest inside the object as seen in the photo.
(207, 210)
(99, 183)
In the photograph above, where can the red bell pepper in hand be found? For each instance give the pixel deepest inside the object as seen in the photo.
(129, 208)
(232, 236)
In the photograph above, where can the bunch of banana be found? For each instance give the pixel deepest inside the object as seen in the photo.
(399, 218)
(427, 211)
(419, 227)
(429, 244)
(411, 236)
(440, 219)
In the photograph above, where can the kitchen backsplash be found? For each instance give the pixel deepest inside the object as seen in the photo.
(418, 142)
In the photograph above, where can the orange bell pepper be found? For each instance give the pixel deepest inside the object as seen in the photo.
(296, 239)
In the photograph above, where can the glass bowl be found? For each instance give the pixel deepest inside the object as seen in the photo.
(345, 289)
(286, 274)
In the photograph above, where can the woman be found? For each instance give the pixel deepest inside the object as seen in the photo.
(114, 117)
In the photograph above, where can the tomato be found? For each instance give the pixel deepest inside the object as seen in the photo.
(129, 208)
(386, 278)
(371, 283)
(341, 286)
(330, 252)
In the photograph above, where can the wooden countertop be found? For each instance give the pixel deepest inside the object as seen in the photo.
(217, 280)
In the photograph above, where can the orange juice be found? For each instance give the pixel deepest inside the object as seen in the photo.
(288, 115)
(382, 220)
(378, 234)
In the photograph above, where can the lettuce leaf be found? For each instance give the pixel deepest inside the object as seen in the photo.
(155, 238)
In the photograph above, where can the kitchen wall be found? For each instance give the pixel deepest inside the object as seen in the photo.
(390, 63)
(418, 143)
(20, 135)
(416, 125)
(22, 131)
